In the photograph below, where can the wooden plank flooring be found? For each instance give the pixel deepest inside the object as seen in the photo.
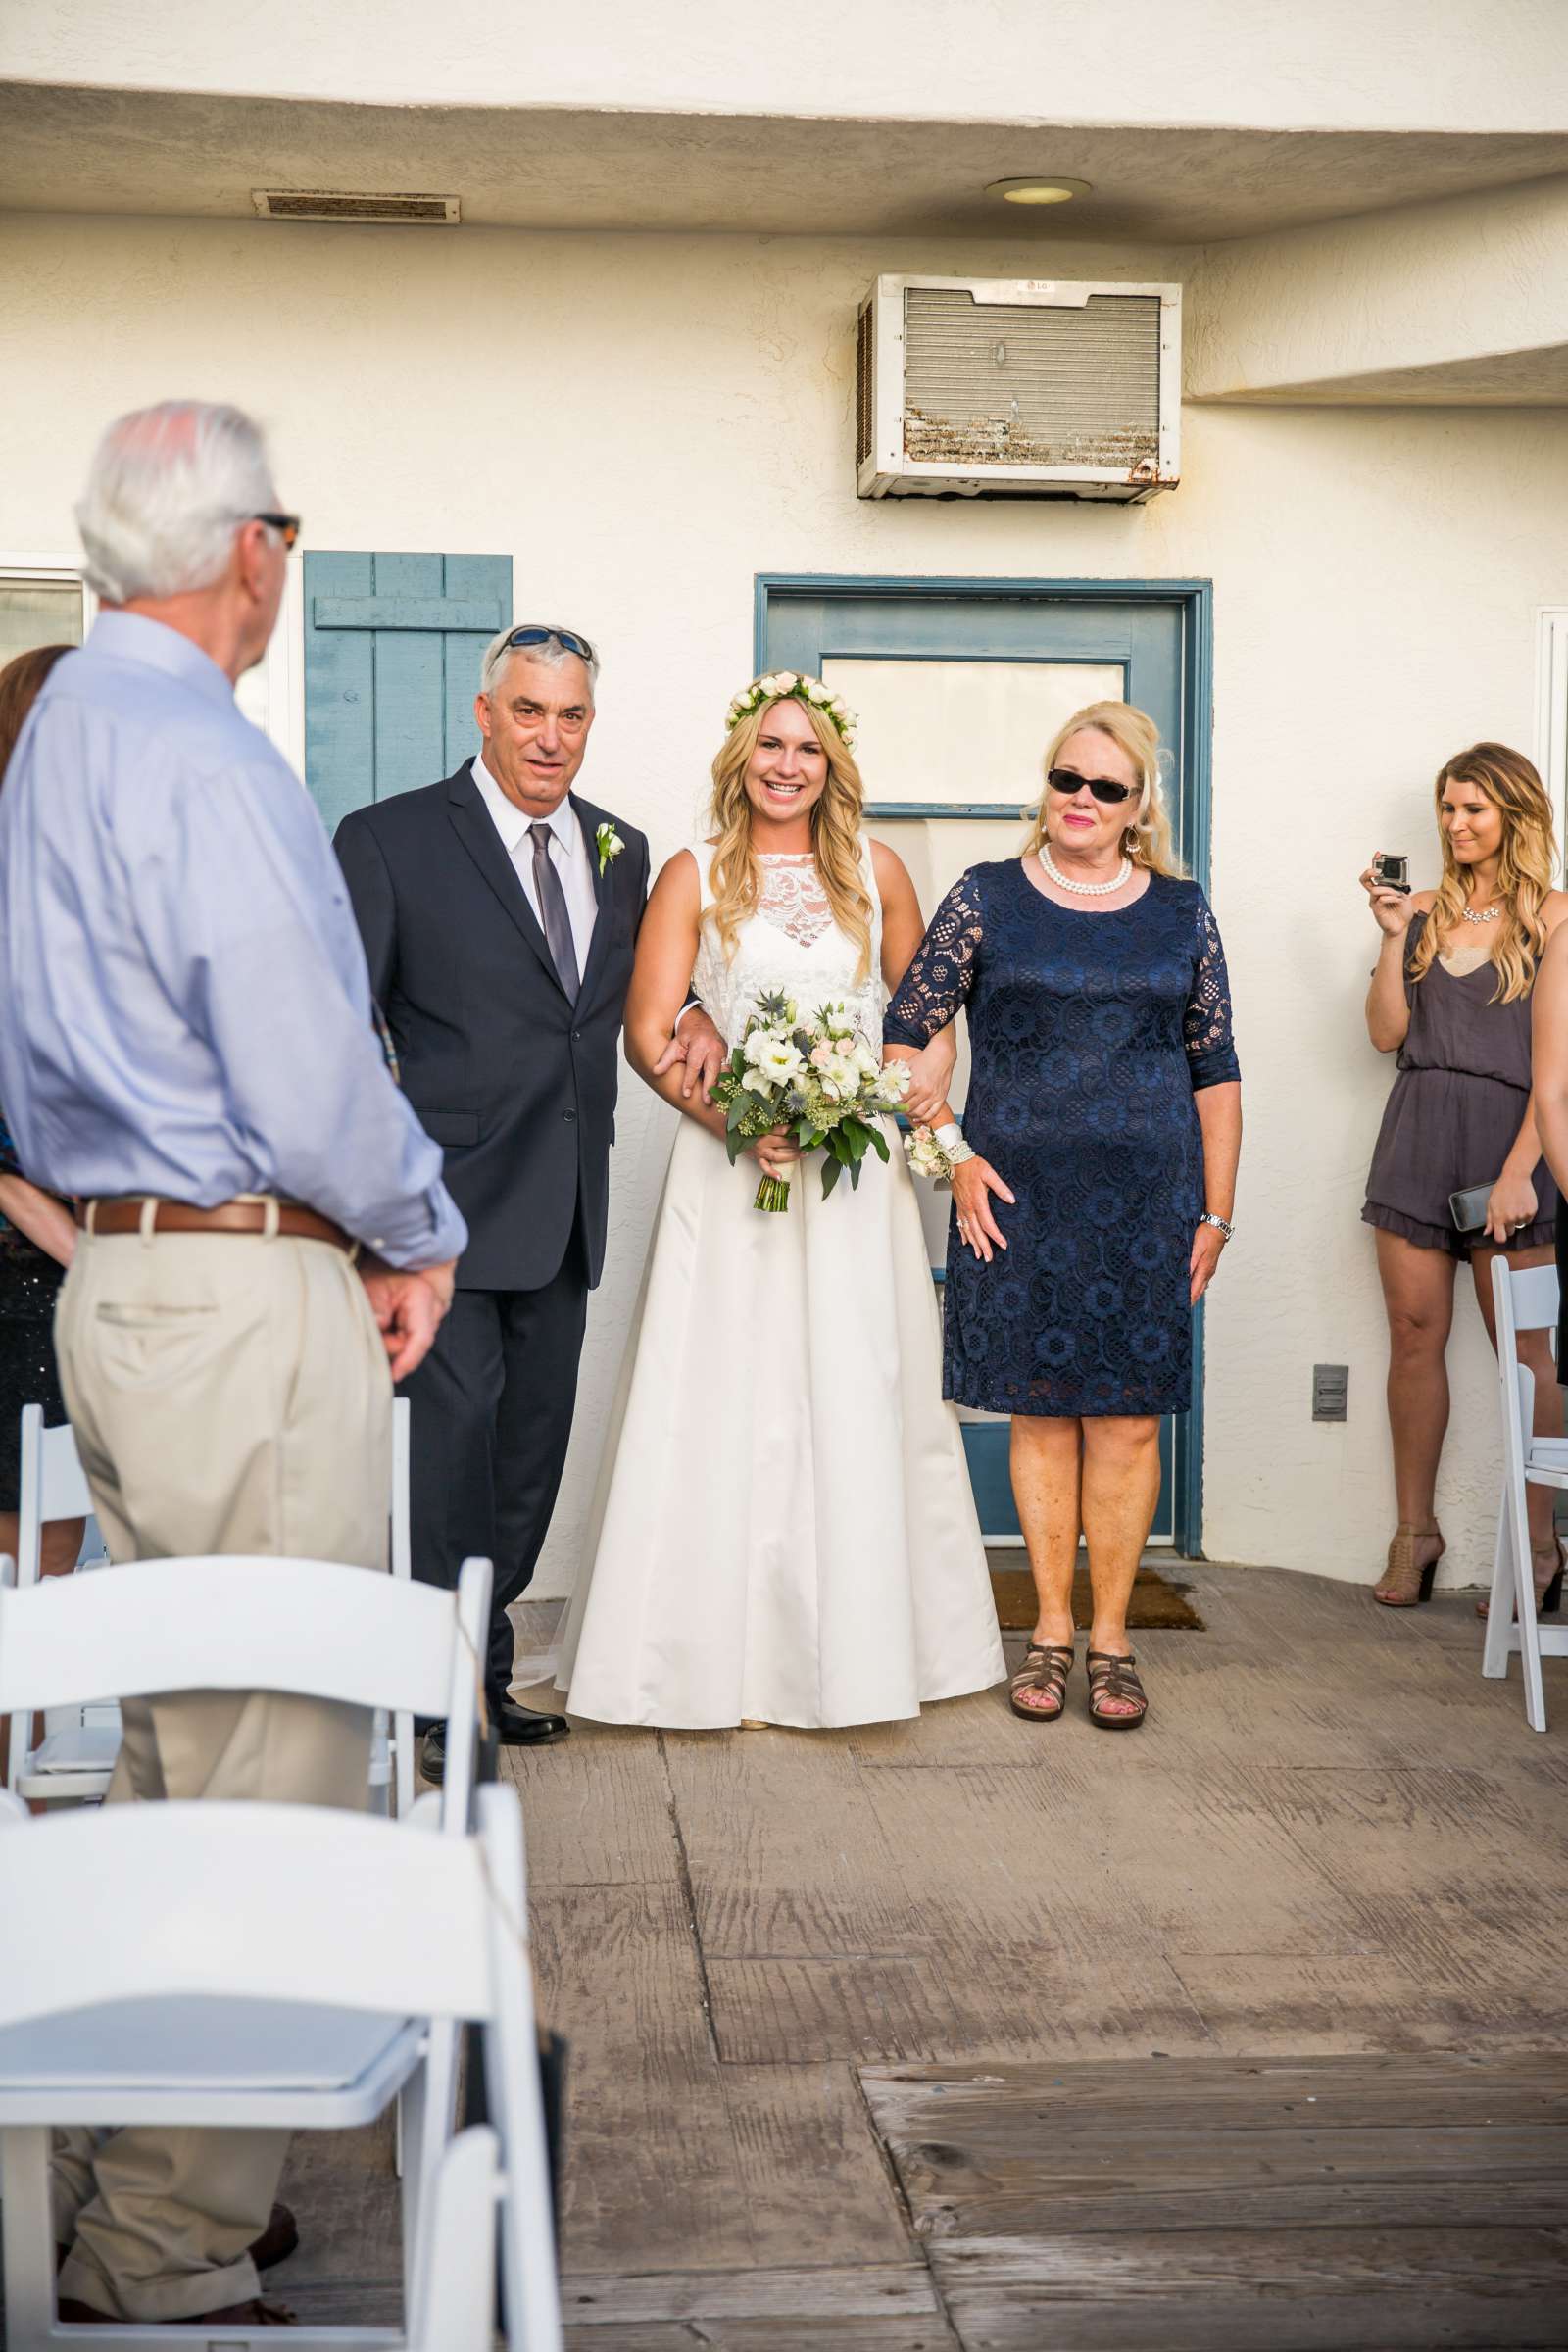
(1385, 2200)
(1331, 1842)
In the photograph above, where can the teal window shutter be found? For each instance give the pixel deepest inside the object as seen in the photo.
(392, 647)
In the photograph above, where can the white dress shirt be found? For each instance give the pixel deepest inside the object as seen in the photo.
(567, 851)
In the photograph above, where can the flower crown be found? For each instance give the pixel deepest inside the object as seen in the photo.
(783, 686)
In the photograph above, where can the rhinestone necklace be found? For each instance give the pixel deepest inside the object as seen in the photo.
(1085, 889)
(1488, 914)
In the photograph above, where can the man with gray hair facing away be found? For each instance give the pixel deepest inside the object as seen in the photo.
(188, 1052)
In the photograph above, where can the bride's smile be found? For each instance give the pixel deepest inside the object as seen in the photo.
(785, 778)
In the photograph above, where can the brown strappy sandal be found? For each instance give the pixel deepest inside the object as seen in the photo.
(1113, 1676)
(1046, 1667)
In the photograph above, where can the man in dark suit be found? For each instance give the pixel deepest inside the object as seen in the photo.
(499, 913)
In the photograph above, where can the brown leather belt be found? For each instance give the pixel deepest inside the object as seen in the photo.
(229, 1216)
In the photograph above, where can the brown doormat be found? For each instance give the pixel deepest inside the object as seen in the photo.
(1157, 1601)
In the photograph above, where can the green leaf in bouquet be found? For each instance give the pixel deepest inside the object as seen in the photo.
(832, 1170)
(879, 1145)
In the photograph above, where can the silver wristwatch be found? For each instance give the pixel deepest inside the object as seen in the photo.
(1208, 1218)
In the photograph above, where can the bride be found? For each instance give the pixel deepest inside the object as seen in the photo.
(831, 1571)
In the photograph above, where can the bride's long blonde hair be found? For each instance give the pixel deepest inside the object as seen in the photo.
(1526, 863)
(733, 869)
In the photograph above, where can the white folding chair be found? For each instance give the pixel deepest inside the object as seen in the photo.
(310, 1627)
(72, 1764)
(1525, 1300)
(454, 2308)
(271, 1967)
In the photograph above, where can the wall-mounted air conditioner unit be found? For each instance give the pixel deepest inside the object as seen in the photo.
(1022, 387)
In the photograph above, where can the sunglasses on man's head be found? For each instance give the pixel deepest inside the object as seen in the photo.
(1062, 779)
(534, 634)
(287, 526)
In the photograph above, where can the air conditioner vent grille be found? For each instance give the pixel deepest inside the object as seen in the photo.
(990, 383)
(335, 204)
(865, 390)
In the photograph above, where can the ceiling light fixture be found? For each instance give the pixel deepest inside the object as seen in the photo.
(1039, 191)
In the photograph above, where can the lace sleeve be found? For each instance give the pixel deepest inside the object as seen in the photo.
(1207, 1030)
(943, 973)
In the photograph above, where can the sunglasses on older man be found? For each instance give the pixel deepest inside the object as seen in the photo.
(287, 526)
(1104, 788)
(539, 633)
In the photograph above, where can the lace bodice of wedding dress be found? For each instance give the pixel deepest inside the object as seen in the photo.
(791, 943)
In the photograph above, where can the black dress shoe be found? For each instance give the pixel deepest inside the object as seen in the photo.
(525, 1727)
(512, 1724)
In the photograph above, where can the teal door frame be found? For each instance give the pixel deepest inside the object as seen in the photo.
(801, 618)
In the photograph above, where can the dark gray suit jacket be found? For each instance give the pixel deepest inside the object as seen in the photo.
(514, 1082)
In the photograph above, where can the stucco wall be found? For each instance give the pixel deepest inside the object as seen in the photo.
(646, 424)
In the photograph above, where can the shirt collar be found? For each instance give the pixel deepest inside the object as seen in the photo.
(154, 644)
(513, 823)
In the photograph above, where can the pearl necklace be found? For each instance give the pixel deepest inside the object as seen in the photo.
(1085, 889)
(1488, 914)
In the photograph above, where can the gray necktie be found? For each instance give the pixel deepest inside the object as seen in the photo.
(553, 912)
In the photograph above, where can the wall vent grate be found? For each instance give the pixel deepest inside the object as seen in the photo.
(340, 204)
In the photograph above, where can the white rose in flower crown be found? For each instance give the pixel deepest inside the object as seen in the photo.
(786, 682)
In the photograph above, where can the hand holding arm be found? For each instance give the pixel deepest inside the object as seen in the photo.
(697, 1050)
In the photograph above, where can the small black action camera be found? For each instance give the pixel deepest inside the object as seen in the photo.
(1391, 872)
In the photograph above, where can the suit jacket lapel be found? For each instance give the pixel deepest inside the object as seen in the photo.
(474, 828)
(591, 818)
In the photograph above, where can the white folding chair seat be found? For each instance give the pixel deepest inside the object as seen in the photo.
(1525, 1300)
(72, 1762)
(275, 1967)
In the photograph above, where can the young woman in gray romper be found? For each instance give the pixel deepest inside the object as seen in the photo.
(1450, 995)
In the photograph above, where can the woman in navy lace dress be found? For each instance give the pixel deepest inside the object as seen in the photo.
(1103, 1120)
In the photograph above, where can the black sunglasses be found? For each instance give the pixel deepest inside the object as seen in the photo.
(286, 525)
(533, 634)
(1062, 780)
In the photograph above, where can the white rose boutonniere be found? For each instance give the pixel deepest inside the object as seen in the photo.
(609, 846)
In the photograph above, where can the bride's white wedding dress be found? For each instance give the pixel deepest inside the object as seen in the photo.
(829, 1569)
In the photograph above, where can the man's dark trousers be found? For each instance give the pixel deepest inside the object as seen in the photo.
(491, 1421)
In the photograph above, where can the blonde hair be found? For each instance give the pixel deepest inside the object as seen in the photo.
(1147, 837)
(835, 833)
(1525, 866)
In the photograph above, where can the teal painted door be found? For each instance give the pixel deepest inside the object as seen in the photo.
(392, 647)
(958, 686)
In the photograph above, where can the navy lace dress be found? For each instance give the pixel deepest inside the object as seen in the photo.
(29, 1283)
(1090, 1033)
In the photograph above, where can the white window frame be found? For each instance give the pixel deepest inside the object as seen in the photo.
(52, 572)
(281, 676)
(1552, 707)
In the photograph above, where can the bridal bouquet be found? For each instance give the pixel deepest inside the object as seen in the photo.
(817, 1077)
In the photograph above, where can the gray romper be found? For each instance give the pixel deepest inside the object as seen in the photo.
(1457, 1105)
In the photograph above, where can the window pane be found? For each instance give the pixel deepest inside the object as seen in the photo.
(957, 731)
(38, 613)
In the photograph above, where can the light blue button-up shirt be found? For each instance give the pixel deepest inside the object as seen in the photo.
(187, 1007)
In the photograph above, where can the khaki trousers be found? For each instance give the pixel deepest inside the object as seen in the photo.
(230, 1393)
